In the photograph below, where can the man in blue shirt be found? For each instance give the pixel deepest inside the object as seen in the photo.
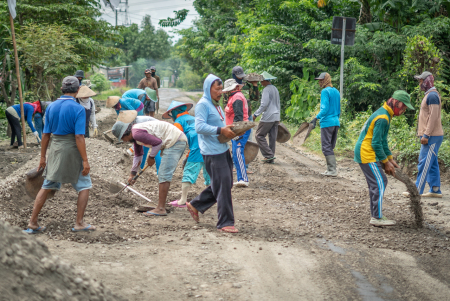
(209, 124)
(65, 119)
(330, 111)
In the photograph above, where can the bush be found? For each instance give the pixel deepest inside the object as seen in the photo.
(189, 81)
(100, 82)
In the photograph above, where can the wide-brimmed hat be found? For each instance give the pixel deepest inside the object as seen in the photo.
(87, 83)
(268, 76)
(111, 101)
(119, 129)
(424, 75)
(127, 116)
(404, 97)
(85, 91)
(230, 85)
(176, 104)
(151, 94)
(79, 73)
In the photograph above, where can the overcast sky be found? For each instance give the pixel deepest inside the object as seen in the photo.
(157, 9)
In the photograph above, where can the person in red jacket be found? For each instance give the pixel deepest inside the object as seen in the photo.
(237, 110)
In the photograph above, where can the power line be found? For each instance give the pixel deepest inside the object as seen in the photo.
(165, 7)
(149, 2)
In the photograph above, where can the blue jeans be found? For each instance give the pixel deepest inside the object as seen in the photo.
(169, 161)
(428, 165)
(38, 124)
(238, 147)
(84, 182)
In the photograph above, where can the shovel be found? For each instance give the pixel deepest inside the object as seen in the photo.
(302, 133)
(105, 135)
(33, 183)
(134, 179)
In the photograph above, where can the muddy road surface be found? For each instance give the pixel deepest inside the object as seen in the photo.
(302, 236)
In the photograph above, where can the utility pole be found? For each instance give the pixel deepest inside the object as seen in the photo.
(125, 10)
(116, 17)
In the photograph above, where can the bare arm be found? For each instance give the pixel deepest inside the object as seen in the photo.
(81, 145)
(44, 145)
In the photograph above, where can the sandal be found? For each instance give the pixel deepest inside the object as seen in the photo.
(175, 204)
(229, 229)
(192, 212)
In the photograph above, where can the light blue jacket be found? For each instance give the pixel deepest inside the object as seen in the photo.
(134, 93)
(330, 108)
(208, 120)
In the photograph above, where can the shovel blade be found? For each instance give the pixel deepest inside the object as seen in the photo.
(33, 183)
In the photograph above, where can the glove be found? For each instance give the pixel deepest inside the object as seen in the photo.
(36, 134)
(313, 122)
(95, 132)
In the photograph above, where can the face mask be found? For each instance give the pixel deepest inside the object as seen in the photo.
(153, 73)
(238, 80)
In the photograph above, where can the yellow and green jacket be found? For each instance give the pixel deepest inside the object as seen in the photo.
(372, 145)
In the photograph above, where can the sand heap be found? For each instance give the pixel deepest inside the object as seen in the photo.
(29, 272)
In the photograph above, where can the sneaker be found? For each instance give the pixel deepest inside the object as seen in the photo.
(432, 195)
(240, 184)
(379, 222)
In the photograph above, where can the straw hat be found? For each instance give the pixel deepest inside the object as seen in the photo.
(175, 104)
(151, 94)
(127, 116)
(112, 101)
(85, 92)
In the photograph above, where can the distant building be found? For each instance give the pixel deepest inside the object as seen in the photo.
(117, 75)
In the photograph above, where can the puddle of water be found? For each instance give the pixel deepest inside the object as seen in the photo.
(335, 248)
(366, 290)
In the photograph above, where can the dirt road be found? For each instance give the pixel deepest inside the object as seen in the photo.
(302, 236)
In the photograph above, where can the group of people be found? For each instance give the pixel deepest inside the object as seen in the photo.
(65, 119)
(36, 111)
(372, 150)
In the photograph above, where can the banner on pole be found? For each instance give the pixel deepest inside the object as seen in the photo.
(12, 8)
(350, 29)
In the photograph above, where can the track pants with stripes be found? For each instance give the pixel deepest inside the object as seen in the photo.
(238, 147)
(377, 181)
(429, 166)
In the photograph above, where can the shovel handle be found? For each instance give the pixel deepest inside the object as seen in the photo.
(140, 173)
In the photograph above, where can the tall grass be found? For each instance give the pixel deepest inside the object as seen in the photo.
(113, 92)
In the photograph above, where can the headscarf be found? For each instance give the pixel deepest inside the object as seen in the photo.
(427, 83)
(326, 82)
(177, 111)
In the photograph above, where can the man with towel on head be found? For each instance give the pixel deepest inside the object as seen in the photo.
(157, 135)
(65, 121)
(178, 111)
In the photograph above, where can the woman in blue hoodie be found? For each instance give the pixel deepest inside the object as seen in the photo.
(209, 124)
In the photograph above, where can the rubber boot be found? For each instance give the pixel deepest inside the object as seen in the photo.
(331, 166)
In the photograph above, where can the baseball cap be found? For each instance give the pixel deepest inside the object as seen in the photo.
(70, 81)
(424, 75)
(152, 68)
(321, 76)
(238, 71)
(404, 97)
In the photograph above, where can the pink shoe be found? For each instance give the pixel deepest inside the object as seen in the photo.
(175, 204)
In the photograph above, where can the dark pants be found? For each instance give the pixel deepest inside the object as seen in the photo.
(264, 128)
(377, 182)
(328, 137)
(38, 124)
(220, 169)
(16, 129)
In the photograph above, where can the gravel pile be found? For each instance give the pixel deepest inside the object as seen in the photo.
(29, 272)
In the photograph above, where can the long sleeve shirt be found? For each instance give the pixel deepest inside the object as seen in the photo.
(89, 104)
(330, 107)
(130, 104)
(270, 105)
(29, 110)
(147, 139)
(372, 145)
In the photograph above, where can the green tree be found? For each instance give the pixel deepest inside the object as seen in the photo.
(100, 82)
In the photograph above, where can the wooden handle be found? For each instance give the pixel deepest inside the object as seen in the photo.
(137, 176)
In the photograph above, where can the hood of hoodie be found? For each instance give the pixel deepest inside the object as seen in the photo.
(207, 86)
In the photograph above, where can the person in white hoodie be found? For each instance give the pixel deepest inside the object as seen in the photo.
(84, 98)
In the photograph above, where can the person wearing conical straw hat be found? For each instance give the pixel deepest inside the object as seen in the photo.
(84, 98)
(126, 103)
(131, 116)
(157, 135)
(372, 152)
(178, 111)
(268, 125)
